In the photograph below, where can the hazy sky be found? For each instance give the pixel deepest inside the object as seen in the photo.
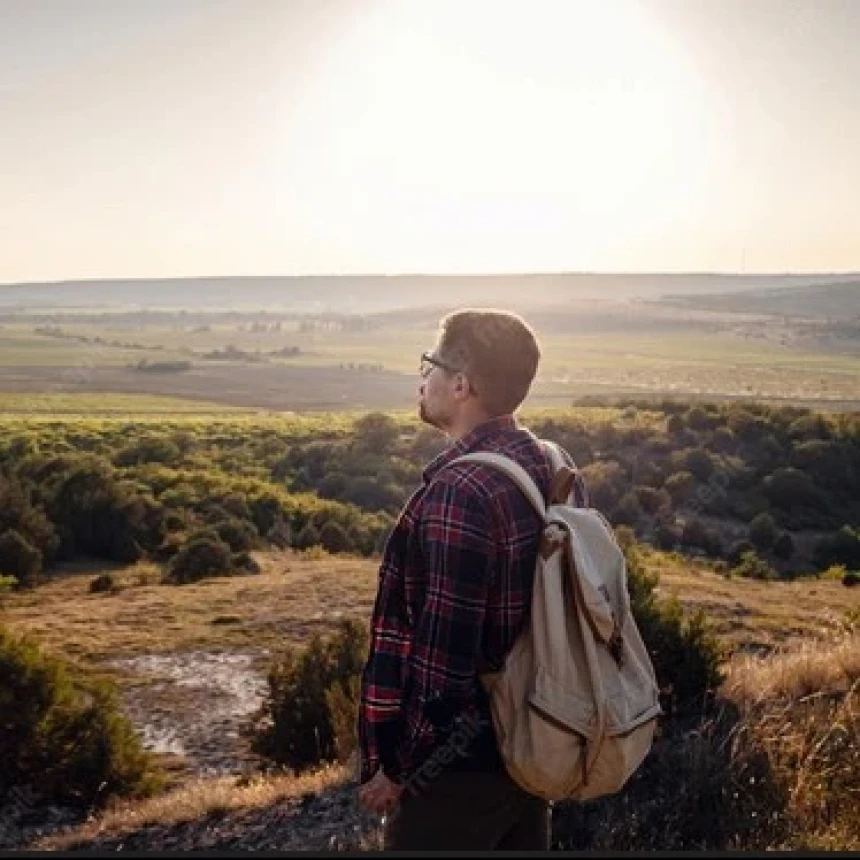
(143, 138)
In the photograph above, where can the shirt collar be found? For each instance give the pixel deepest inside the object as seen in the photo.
(470, 442)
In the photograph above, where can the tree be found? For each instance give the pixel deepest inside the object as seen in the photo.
(376, 432)
(19, 558)
(783, 548)
(763, 531)
(201, 557)
(334, 538)
(65, 738)
(679, 486)
(843, 547)
(309, 713)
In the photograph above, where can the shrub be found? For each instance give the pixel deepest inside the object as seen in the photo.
(843, 547)
(280, 534)
(683, 648)
(696, 534)
(244, 561)
(666, 534)
(308, 715)
(238, 534)
(199, 558)
(628, 510)
(788, 487)
(651, 499)
(679, 486)
(606, 483)
(851, 579)
(784, 546)
(64, 738)
(104, 582)
(699, 464)
(763, 531)
(376, 432)
(307, 537)
(739, 549)
(754, 567)
(708, 786)
(334, 538)
(19, 558)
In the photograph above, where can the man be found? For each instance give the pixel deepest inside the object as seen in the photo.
(454, 589)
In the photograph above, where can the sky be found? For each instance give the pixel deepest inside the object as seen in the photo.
(165, 138)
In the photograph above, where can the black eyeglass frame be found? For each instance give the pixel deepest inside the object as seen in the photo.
(434, 362)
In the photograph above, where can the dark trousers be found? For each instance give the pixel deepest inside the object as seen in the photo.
(469, 811)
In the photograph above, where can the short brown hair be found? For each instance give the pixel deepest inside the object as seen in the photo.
(498, 352)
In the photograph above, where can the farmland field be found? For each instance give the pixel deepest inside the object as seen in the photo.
(280, 367)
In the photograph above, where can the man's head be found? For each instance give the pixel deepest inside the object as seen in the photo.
(482, 366)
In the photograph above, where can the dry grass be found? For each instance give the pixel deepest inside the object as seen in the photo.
(787, 747)
(801, 708)
(795, 672)
(291, 598)
(746, 612)
(200, 798)
(297, 595)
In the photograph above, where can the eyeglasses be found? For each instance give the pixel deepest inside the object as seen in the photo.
(428, 362)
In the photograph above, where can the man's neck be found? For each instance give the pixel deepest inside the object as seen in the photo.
(465, 424)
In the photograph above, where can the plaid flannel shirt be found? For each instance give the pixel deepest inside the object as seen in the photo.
(454, 588)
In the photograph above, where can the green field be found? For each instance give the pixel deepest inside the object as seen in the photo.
(87, 405)
(86, 357)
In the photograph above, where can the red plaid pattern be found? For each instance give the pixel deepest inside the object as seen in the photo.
(454, 587)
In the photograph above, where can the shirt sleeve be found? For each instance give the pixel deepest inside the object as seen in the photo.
(380, 707)
(458, 553)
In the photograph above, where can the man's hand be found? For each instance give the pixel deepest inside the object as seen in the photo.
(380, 795)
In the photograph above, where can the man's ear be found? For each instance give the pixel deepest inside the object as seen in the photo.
(462, 387)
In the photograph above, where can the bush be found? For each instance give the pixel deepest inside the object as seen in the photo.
(309, 713)
(65, 739)
(843, 547)
(19, 558)
(238, 534)
(696, 534)
(334, 538)
(376, 432)
(244, 561)
(105, 582)
(851, 579)
(307, 537)
(679, 486)
(705, 787)
(739, 549)
(666, 534)
(754, 567)
(651, 499)
(763, 531)
(199, 558)
(628, 511)
(784, 546)
(684, 650)
(788, 488)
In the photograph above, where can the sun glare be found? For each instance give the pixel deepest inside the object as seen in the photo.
(563, 126)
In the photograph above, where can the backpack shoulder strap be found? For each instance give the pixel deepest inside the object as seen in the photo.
(514, 470)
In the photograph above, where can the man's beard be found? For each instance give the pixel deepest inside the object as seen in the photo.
(426, 417)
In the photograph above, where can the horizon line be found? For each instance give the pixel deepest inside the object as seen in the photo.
(524, 274)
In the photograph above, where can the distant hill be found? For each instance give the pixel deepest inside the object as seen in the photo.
(837, 301)
(374, 293)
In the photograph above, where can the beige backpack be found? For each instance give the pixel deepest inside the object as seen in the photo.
(575, 705)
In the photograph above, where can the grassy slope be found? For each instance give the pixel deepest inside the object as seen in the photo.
(296, 595)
